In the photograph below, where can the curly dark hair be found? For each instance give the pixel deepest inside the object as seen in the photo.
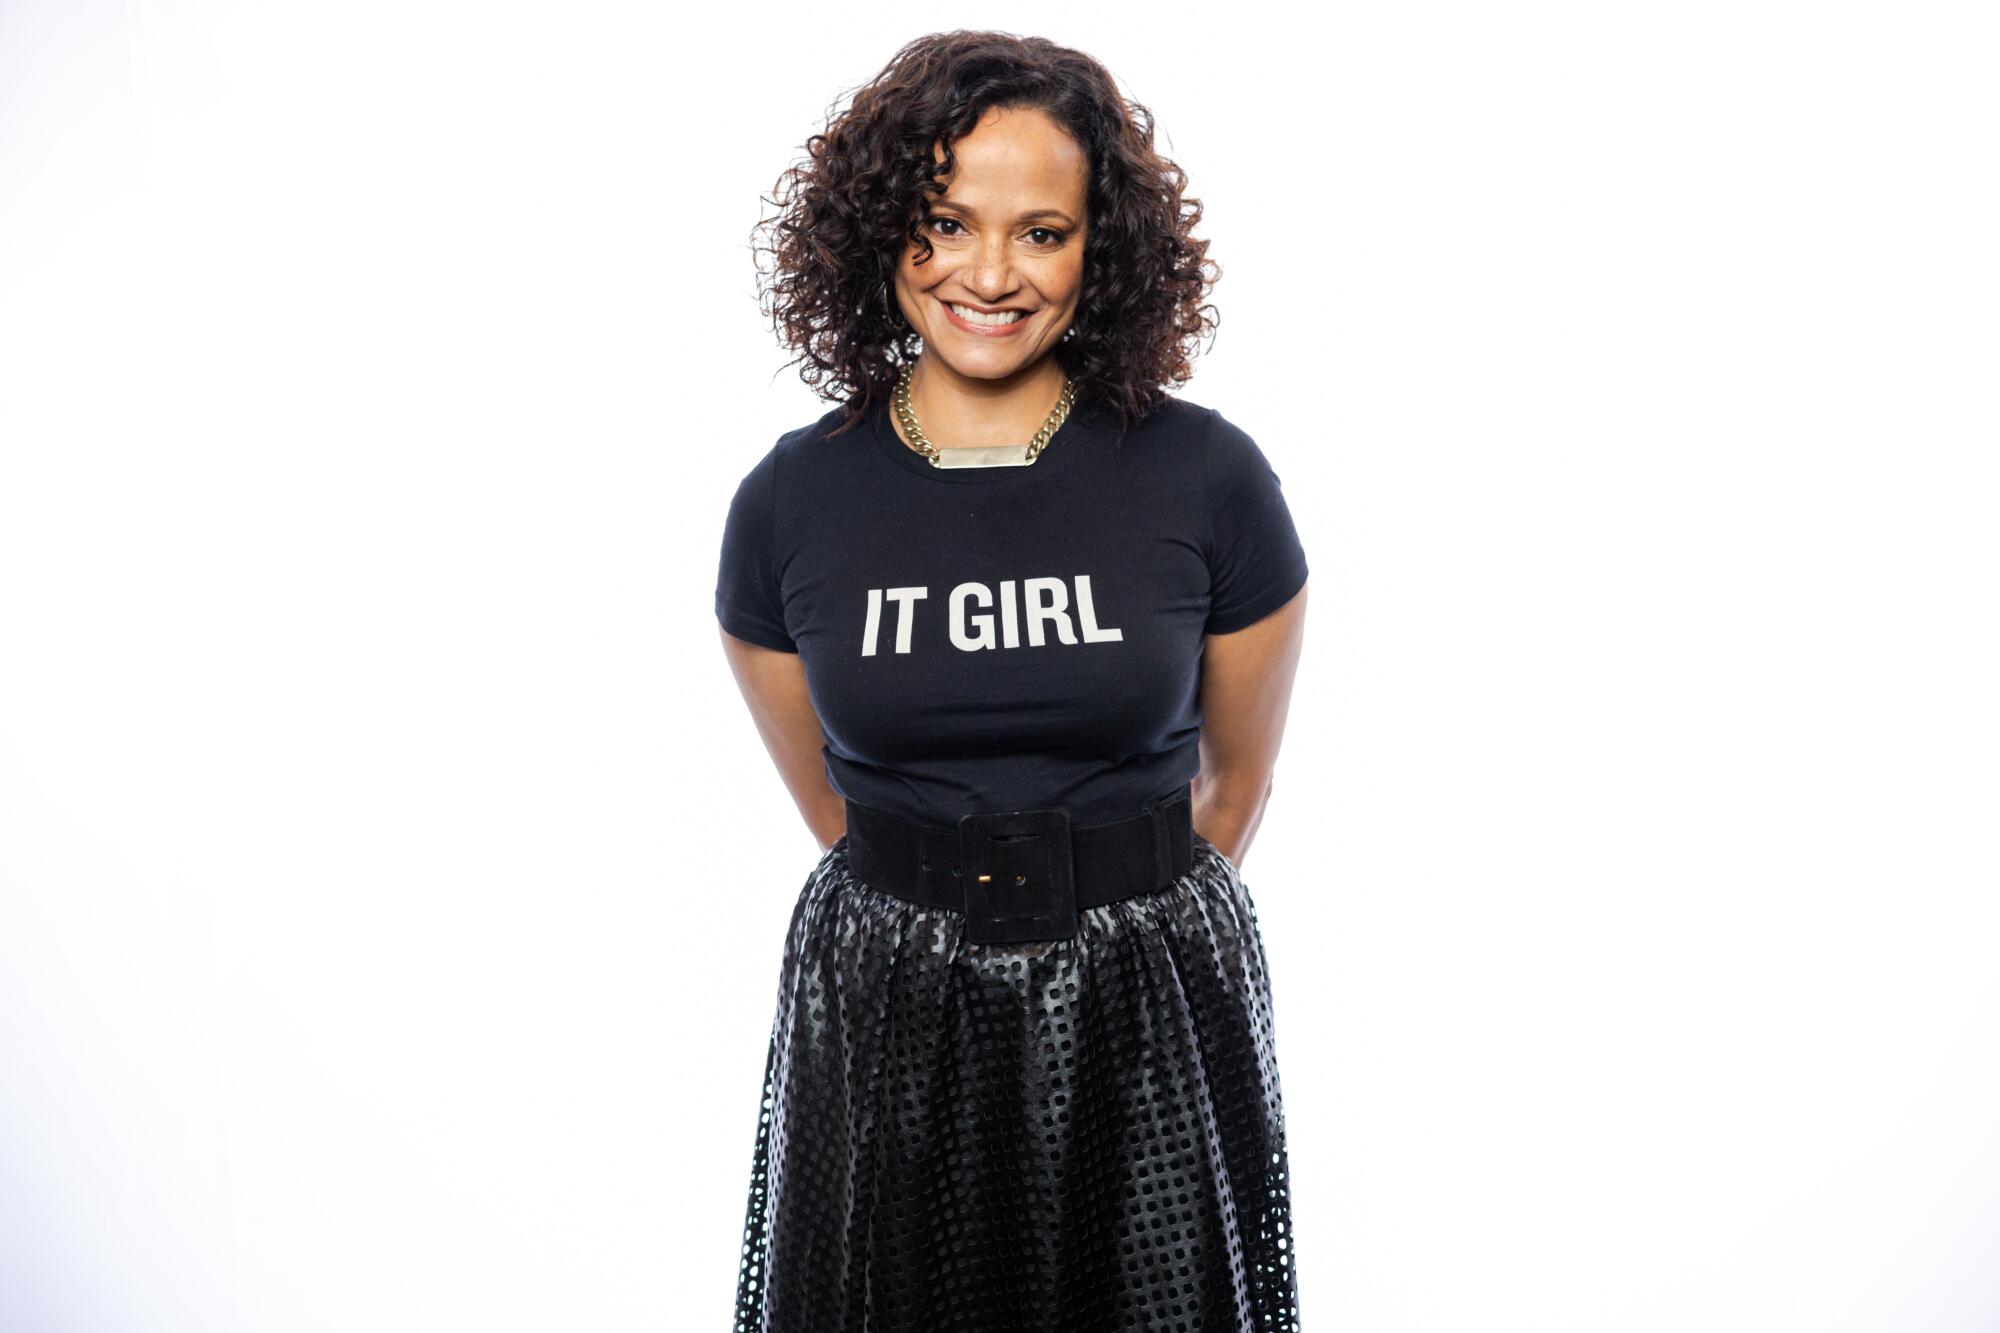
(848, 208)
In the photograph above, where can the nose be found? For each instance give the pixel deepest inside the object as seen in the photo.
(992, 268)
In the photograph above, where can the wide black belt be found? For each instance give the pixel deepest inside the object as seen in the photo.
(1023, 875)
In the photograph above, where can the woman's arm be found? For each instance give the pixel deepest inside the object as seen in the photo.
(774, 685)
(1246, 691)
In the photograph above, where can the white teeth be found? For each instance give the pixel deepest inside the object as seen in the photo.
(972, 316)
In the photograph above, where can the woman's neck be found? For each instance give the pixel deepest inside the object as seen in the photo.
(959, 412)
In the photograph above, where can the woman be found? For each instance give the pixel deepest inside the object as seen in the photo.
(1019, 631)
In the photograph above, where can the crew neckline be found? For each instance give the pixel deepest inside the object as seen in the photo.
(1071, 438)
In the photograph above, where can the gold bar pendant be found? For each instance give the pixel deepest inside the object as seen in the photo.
(984, 455)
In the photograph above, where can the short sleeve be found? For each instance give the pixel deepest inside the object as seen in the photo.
(747, 599)
(1255, 559)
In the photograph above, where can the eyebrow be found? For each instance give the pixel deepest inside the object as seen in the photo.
(1032, 213)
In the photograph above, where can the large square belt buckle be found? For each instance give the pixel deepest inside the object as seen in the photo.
(1018, 877)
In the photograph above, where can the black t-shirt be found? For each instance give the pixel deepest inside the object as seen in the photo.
(985, 639)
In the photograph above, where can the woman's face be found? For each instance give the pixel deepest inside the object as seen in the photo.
(1007, 234)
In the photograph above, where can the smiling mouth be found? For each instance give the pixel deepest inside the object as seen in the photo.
(998, 320)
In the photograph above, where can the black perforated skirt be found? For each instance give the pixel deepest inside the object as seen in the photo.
(1071, 1136)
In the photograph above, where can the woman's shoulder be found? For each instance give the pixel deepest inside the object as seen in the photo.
(1225, 444)
(1177, 428)
(1187, 415)
(1196, 424)
(815, 441)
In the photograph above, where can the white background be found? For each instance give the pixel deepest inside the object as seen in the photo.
(392, 884)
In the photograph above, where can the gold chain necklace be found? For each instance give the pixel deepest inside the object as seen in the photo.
(993, 455)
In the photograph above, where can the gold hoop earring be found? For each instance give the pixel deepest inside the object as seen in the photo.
(889, 311)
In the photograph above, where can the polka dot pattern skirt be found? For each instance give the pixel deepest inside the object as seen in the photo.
(1075, 1136)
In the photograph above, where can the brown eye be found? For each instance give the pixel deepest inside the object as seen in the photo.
(1056, 237)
